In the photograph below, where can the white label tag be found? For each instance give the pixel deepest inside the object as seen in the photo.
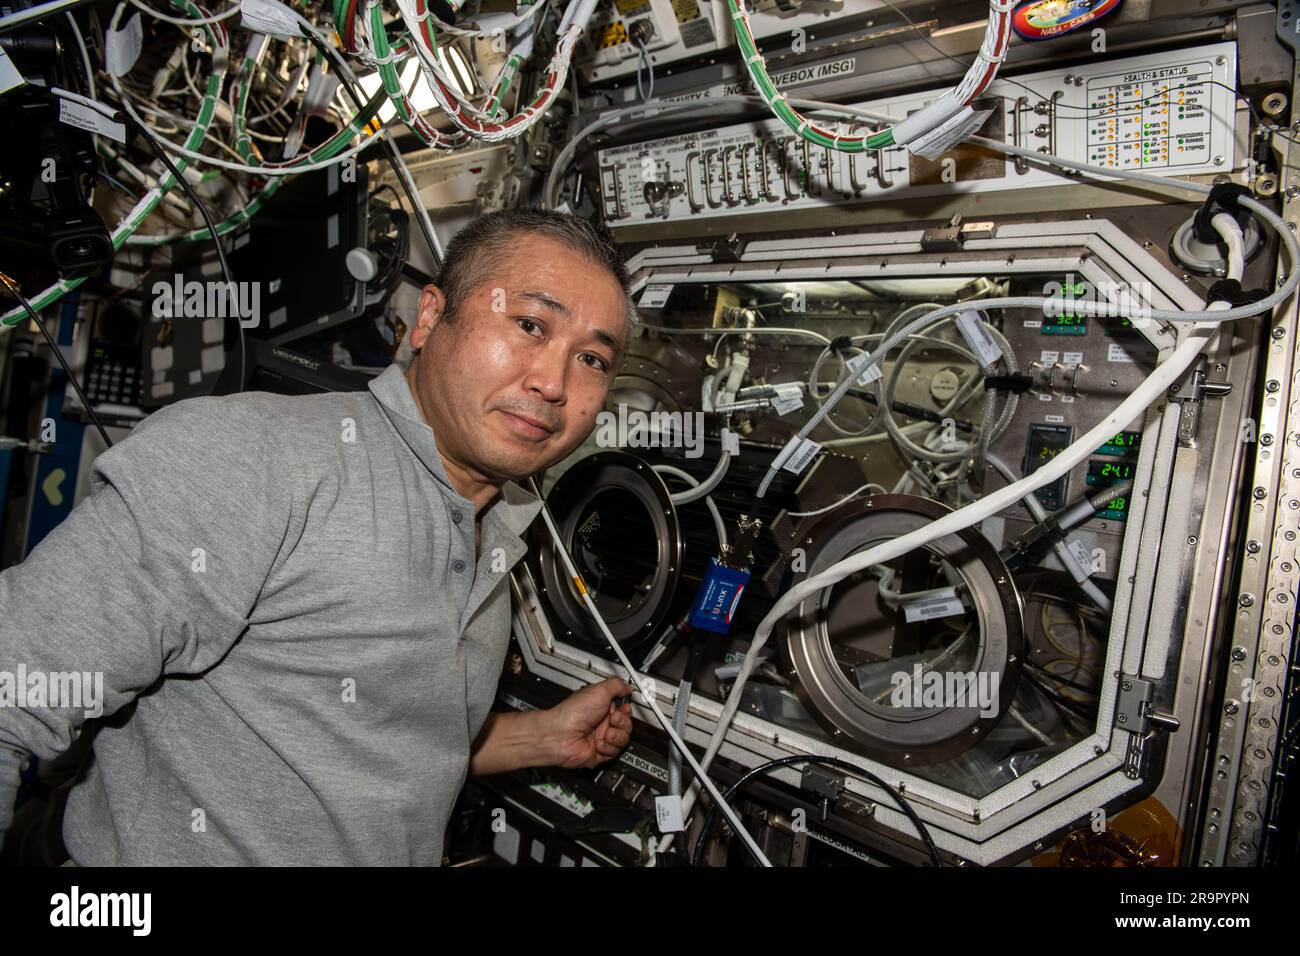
(1072, 358)
(789, 398)
(1048, 359)
(796, 454)
(973, 330)
(320, 90)
(122, 47)
(9, 75)
(1033, 323)
(668, 814)
(655, 296)
(1081, 567)
(784, 406)
(564, 206)
(266, 16)
(83, 117)
(944, 604)
(1116, 353)
(948, 134)
(730, 442)
(868, 376)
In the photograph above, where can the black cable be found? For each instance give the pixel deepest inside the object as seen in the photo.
(838, 764)
(1061, 680)
(394, 157)
(1060, 699)
(125, 117)
(58, 353)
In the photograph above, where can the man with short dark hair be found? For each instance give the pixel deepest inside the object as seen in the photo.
(299, 605)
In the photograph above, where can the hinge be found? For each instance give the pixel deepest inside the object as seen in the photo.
(1191, 392)
(945, 239)
(1134, 713)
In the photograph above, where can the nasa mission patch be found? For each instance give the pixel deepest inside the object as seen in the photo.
(1044, 19)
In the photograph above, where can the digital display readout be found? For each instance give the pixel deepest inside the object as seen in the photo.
(1124, 444)
(1065, 324)
(1106, 473)
(1045, 442)
(1109, 472)
(1115, 510)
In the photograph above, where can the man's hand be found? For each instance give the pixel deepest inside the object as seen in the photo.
(590, 727)
(583, 731)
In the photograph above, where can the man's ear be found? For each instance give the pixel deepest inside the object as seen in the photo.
(432, 308)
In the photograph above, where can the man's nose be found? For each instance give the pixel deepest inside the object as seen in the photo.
(548, 376)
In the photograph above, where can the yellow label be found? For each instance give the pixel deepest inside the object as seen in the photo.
(614, 34)
(686, 10)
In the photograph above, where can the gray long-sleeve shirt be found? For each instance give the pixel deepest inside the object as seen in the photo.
(297, 638)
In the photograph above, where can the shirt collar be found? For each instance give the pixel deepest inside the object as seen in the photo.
(515, 508)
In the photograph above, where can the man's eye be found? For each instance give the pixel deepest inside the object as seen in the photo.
(596, 362)
(530, 326)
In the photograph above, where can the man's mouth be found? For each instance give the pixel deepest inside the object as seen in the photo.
(526, 426)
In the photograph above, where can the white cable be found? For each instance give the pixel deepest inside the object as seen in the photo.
(179, 150)
(254, 170)
(831, 507)
(1163, 376)
(489, 24)
(704, 488)
(403, 170)
(85, 57)
(757, 330)
(648, 695)
(694, 482)
(90, 74)
(35, 13)
(183, 22)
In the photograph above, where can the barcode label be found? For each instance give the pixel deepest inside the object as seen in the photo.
(943, 604)
(973, 330)
(796, 454)
(870, 375)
